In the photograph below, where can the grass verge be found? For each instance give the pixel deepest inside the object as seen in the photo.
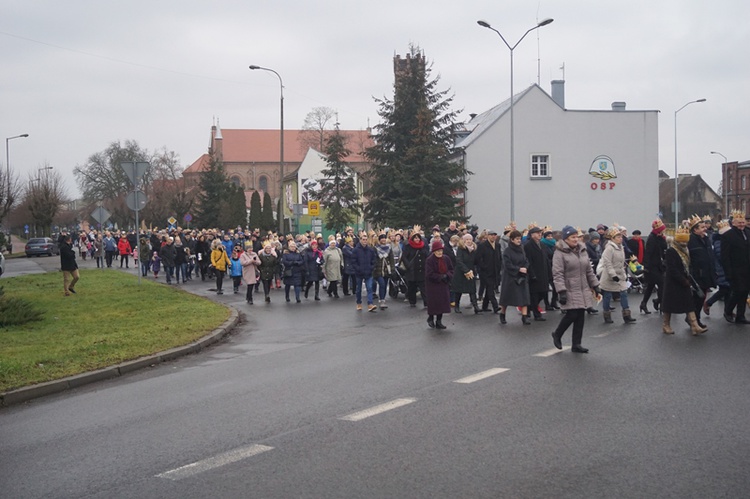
(110, 320)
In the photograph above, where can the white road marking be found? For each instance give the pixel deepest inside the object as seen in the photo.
(550, 352)
(372, 411)
(602, 335)
(482, 375)
(229, 457)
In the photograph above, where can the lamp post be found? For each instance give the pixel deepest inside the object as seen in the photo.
(281, 149)
(676, 177)
(726, 186)
(7, 159)
(487, 25)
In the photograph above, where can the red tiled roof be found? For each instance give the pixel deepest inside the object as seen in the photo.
(262, 146)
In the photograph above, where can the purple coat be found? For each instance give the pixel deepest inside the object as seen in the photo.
(437, 286)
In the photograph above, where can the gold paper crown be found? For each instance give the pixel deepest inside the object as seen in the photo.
(722, 226)
(612, 232)
(532, 225)
(693, 221)
(507, 228)
(657, 223)
(683, 229)
(546, 229)
(580, 231)
(738, 214)
(708, 218)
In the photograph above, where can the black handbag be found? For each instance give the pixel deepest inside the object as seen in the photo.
(697, 291)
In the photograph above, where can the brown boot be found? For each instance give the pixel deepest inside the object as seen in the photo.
(694, 326)
(665, 327)
(626, 317)
(607, 317)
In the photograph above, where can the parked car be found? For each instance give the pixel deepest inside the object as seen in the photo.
(2, 264)
(41, 246)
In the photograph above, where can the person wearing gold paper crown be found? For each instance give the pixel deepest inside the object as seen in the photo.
(677, 296)
(614, 280)
(735, 259)
(653, 264)
(701, 264)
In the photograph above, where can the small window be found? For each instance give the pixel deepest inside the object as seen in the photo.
(263, 183)
(540, 166)
(743, 183)
(236, 180)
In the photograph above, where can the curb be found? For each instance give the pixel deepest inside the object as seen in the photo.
(27, 393)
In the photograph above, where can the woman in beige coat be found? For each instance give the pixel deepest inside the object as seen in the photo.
(613, 278)
(250, 263)
(576, 286)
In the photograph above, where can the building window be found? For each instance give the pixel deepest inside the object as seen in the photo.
(730, 185)
(263, 183)
(540, 166)
(743, 182)
(743, 204)
(236, 180)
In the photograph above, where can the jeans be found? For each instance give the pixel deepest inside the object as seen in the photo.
(607, 296)
(144, 268)
(181, 268)
(368, 289)
(169, 273)
(382, 287)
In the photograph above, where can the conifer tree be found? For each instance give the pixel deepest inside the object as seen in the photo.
(338, 192)
(256, 217)
(267, 220)
(413, 179)
(234, 207)
(214, 185)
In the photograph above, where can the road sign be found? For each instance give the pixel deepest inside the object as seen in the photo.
(172, 220)
(313, 208)
(317, 225)
(26, 229)
(188, 217)
(100, 214)
(131, 201)
(135, 170)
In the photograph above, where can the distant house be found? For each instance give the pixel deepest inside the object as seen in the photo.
(695, 197)
(735, 183)
(252, 158)
(578, 167)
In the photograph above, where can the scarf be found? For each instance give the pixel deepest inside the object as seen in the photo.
(416, 245)
(442, 266)
(549, 242)
(383, 250)
(470, 246)
(681, 249)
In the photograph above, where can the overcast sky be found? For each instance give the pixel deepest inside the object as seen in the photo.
(78, 75)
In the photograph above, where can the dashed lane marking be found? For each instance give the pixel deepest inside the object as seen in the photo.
(602, 335)
(550, 352)
(482, 375)
(229, 457)
(378, 409)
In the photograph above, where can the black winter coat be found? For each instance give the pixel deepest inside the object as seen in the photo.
(292, 262)
(313, 265)
(735, 257)
(464, 263)
(702, 261)
(489, 261)
(539, 267)
(653, 256)
(514, 290)
(414, 258)
(678, 299)
(67, 258)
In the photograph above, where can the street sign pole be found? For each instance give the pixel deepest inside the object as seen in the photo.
(135, 170)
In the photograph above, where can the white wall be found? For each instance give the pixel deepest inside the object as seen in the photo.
(573, 139)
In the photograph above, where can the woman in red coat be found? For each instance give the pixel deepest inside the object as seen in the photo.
(438, 272)
(123, 246)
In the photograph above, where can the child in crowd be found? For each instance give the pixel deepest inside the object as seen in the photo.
(155, 264)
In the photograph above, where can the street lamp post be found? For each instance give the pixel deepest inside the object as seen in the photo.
(676, 176)
(7, 159)
(281, 149)
(725, 176)
(487, 25)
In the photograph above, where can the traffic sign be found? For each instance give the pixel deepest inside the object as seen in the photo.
(188, 217)
(26, 229)
(131, 200)
(172, 220)
(313, 208)
(135, 170)
(100, 214)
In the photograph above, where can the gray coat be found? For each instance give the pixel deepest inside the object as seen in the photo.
(334, 260)
(572, 273)
(613, 264)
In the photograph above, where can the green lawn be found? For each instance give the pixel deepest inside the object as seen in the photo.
(110, 320)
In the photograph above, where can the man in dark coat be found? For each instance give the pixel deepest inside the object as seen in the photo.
(653, 265)
(735, 259)
(364, 258)
(701, 264)
(489, 263)
(68, 265)
(538, 271)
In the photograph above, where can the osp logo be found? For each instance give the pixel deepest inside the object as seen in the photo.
(603, 168)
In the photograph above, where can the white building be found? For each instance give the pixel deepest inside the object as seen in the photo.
(571, 167)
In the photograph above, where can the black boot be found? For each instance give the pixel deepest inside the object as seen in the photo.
(431, 322)
(439, 324)
(502, 318)
(457, 309)
(525, 320)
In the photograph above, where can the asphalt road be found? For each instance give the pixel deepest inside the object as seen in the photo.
(319, 400)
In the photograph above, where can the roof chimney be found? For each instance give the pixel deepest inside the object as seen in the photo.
(618, 106)
(558, 92)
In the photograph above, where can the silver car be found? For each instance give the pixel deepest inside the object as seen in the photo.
(41, 246)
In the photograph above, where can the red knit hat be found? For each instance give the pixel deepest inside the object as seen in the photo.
(437, 244)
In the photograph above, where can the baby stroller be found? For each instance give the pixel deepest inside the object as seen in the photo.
(635, 275)
(396, 283)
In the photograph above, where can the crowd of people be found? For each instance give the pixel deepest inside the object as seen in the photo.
(534, 270)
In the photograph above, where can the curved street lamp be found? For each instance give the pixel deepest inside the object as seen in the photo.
(281, 149)
(676, 177)
(7, 158)
(487, 25)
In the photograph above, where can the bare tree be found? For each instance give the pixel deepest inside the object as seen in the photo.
(318, 125)
(45, 196)
(10, 192)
